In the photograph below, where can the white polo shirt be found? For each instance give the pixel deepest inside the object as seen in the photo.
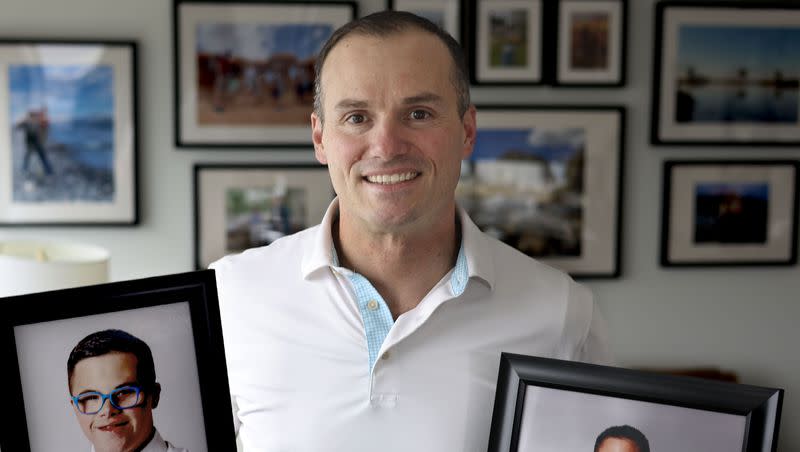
(298, 356)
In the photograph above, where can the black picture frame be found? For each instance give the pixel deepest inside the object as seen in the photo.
(729, 213)
(69, 151)
(548, 181)
(304, 190)
(605, 32)
(703, 95)
(172, 314)
(518, 63)
(448, 14)
(258, 101)
(587, 393)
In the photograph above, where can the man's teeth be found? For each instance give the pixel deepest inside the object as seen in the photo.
(391, 178)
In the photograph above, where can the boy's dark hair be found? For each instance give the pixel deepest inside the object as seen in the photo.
(624, 432)
(108, 341)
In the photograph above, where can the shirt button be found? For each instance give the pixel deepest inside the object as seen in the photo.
(372, 305)
(385, 355)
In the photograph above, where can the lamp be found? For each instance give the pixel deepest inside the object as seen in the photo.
(28, 266)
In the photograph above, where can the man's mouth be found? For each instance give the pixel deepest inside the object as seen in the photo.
(389, 179)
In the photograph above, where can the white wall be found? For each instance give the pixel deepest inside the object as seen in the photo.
(739, 319)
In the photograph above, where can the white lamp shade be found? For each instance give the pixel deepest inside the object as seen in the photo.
(28, 266)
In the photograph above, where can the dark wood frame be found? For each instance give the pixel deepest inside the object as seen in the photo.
(132, 217)
(517, 372)
(198, 208)
(666, 209)
(623, 50)
(196, 288)
(621, 112)
(738, 6)
(183, 143)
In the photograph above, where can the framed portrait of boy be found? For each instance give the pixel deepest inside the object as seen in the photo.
(550, 405)
(122, 366)
(68, 133)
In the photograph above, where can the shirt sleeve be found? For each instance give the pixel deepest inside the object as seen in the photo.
(585, 330)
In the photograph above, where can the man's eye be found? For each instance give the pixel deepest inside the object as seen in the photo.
(420, 114)
(356, 119)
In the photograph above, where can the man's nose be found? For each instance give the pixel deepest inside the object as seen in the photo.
(108, 409)
(389, 138)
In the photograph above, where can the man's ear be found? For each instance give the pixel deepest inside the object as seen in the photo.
(316, 138)
(155, 395)
(470, 124)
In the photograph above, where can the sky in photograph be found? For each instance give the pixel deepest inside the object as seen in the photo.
(551, 145)
(259, 41)
(68, 92)
(722, 50)
(758, 190)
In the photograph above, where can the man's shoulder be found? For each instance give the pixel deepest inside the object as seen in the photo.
(512, 262)
(283, 251)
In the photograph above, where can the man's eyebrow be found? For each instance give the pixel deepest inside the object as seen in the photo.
(347, 104)
(423, 98)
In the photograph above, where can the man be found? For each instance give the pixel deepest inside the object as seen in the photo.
(382, 327)
(113, 391)
(35, 127)
(621, 438)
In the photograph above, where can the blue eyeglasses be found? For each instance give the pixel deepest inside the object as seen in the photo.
(121, 398)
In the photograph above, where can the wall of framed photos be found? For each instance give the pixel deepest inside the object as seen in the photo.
(740, 318)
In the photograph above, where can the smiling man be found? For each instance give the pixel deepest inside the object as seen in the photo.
(382, 327)
(113, 391)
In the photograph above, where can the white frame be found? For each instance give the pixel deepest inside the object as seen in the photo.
(532, 72)
(679, 213)
(602, 177)
(121, 56)
(665, 128)
(450, 8)
(613, 73)
(188, 15)
(212, 181)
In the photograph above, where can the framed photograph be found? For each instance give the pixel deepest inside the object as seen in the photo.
(738, 212)
(727, 73)
(547, 181)
(245, 206)
(591, 42)
(548, 405)
(445, 13)
(507, 46)
(123, 366)
(244, 71)
(68, 133)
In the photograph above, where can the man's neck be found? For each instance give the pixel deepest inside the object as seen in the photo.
(402, 266)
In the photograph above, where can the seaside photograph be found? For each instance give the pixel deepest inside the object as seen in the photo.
(589, 44)
(508, 38)
(251, 74)
(524, 186)
(731, 212)
(62, 133)
(257, 216)
(737, 74)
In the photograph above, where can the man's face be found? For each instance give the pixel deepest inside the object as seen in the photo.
(112, 429)
(392, 136)
(618, 445)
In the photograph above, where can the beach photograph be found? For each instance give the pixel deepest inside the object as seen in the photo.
(524, 186)
(731, 212)
(508, 38)
(737, 74)
(62, 133)
(589, 32)
(257, 216)
(252, 74)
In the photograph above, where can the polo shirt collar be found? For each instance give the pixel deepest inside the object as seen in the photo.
(475, 258)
